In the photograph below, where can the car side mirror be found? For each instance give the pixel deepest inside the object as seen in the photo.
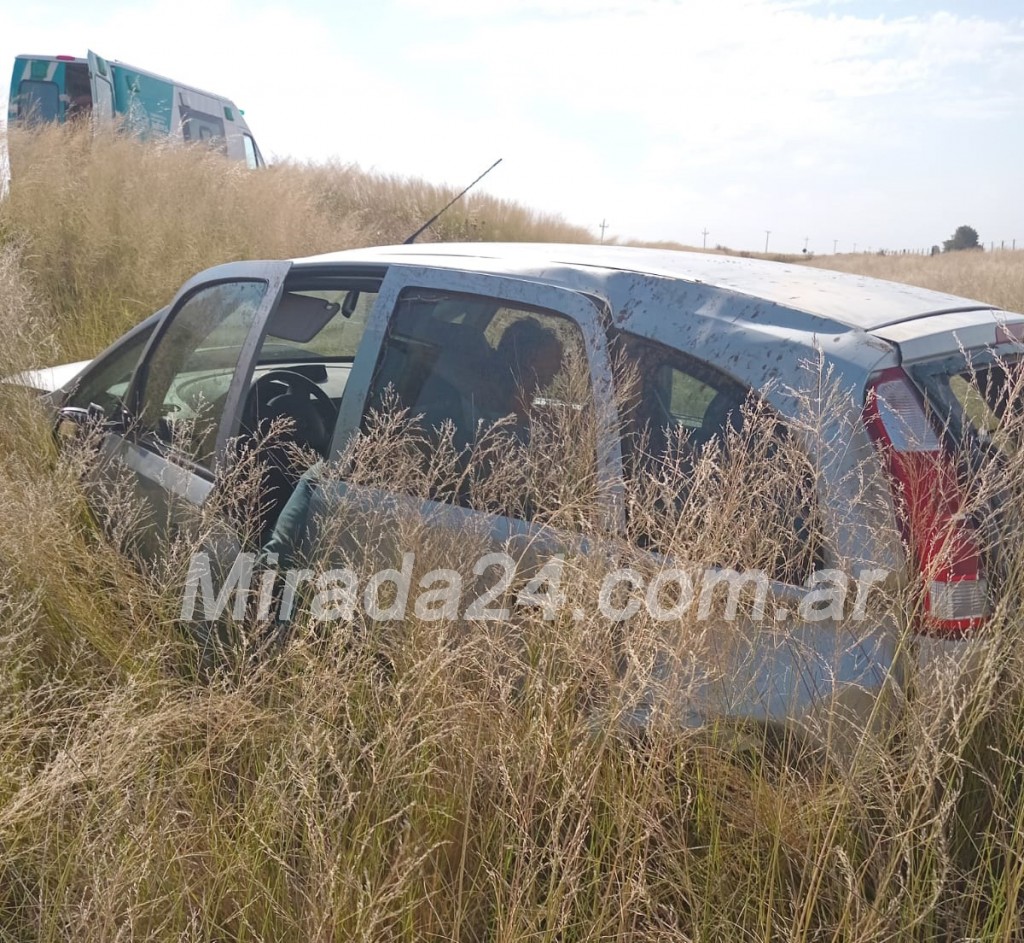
(74, 422)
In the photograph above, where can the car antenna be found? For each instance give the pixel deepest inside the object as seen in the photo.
(433, 219)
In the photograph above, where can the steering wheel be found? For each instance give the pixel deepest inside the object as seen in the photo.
(290, 394)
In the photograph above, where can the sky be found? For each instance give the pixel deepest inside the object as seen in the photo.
(842, 125)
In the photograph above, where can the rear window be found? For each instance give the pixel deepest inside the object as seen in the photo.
(976, 399)
(38, 101)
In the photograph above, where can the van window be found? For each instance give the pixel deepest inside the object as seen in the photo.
(38, 101)
(200, 126)
(251, 160)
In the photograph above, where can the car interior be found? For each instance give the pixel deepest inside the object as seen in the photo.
(300, 374)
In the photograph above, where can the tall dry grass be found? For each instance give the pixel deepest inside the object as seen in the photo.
(436, 780)
(110, 227)
(429, 780)
(996, 277)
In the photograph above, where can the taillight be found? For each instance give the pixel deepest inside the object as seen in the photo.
(942, 541)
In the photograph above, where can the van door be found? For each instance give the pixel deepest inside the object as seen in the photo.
(36, 89)
(102, 88)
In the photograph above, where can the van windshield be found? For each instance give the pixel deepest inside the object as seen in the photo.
(978, 399)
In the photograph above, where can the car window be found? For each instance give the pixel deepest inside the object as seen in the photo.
(187, 376)
(332, 331)
(681, 407)
(463, 365)
(305, 357)
(678, 401)
(975, 398)
(105, 382)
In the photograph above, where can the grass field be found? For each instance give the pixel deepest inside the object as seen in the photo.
(417, 783)
(993, 277)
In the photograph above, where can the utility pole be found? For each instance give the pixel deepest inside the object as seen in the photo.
(806, 240)
(855, 247)
(835, 242)
(704, 233)
(604, 226)
(767, 233)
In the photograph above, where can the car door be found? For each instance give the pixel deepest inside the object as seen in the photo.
(185, 399)
(430, 348)
(767, 640)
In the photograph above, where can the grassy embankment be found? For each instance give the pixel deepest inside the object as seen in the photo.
(416, 781)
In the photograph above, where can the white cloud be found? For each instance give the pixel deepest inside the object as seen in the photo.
(665, 116)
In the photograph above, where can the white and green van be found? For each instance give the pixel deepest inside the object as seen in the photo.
(60, 88)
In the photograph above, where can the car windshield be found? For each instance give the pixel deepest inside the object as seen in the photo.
(332, 333)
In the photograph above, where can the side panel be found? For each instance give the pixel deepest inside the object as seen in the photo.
(145, 101)
(20, 65)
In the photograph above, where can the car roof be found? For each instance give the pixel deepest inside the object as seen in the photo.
(853, 301)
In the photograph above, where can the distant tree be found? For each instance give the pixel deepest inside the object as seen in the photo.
(965, 237)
